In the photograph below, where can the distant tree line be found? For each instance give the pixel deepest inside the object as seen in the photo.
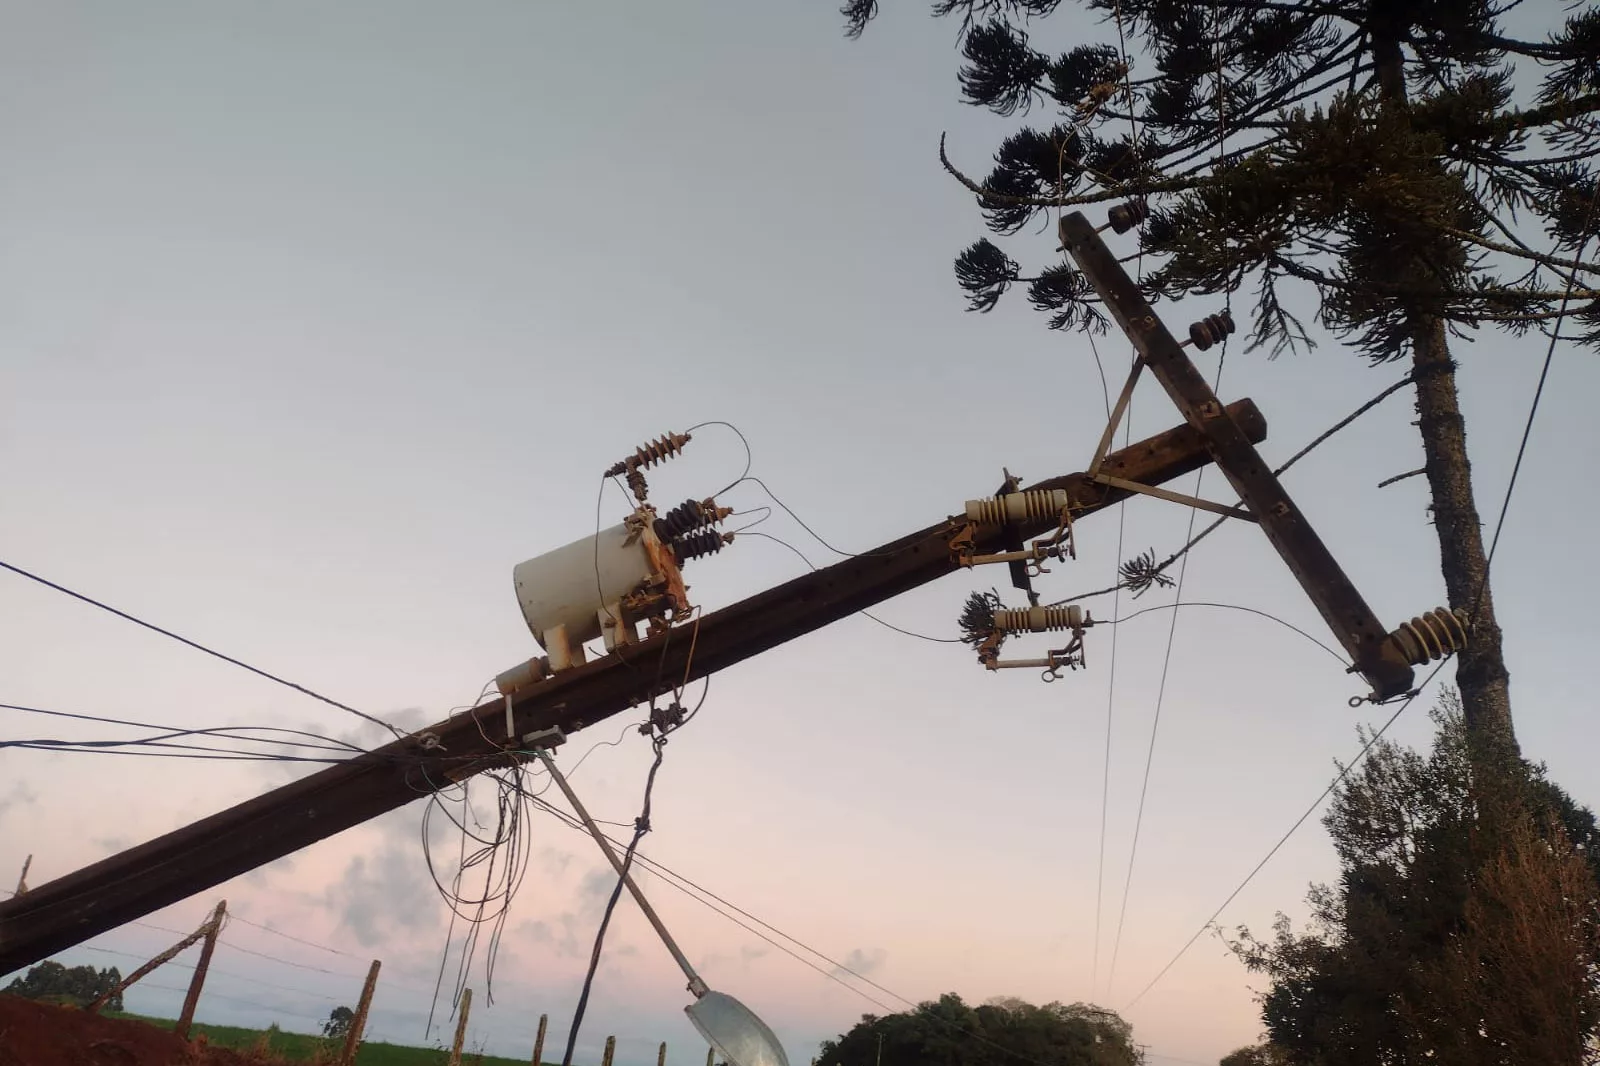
(78, 986)
(1003, 1032)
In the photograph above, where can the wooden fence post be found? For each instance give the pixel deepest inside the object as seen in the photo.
(661, 1056)
(611, 1050)
(358, 1024)
(192, 999)
(538, 1041)
(461, 1027)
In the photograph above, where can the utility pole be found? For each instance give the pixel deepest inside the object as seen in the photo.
(191, 999)
(1383, 658)
(461, 1027)
(538, 1040)
(358, 1024)
(129, 885)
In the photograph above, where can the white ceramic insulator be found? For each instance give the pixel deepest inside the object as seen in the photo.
(571, 585)
(1038, 619)
(1038, 505)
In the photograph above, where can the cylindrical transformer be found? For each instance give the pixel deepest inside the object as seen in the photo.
(572, 585)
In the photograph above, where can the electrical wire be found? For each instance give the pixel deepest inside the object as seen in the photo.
(1483, 585)
(288, 936)
(1316, 442)
(749, 456)
(200, 647)
(640, 828)
(869, 614)
(1161, 688)
(710, 900)
(1298, 822)
(1111, 690)
(222, 731)
(1269, 616)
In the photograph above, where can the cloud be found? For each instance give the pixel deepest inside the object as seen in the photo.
(749, 954)
(862, 961)
(387, 892)
(112, 845)
(20, 795)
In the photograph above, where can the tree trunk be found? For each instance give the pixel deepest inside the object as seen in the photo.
(1481, 673)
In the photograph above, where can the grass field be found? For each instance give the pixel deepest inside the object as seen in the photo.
(302, 1047)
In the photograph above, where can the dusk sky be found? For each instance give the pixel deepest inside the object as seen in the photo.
(315, 319)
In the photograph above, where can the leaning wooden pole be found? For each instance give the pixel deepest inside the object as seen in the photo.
(538, 1040)
(192, 998)
(461, 1027)
(358, 1024)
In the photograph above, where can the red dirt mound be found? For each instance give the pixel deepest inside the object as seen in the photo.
(43, 1034)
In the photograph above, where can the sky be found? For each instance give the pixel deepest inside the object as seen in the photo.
(316, 319)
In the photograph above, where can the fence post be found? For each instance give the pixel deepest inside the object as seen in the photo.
(192, 999)
(611, 1049)
(358, 1024)
(661, 1056)
(461, 1027)
(538, 1041)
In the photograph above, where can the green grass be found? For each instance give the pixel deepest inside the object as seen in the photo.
(303, 1047)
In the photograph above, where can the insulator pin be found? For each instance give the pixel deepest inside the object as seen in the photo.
(650, 453)
(1125, 216)
(1038, 619)
(1038, 505)
(1431, 636)
(1210, 330)
(701, 543)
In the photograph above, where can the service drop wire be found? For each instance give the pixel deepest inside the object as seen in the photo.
(640, 828)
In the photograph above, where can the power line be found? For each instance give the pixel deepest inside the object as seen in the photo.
(286, 936)
(1111, 674)
(286, 962)
(1298, 822)
(1161, 695)
(1316, 442)
(1483, 585)
(175, 964)
(333, 743)
(91, 601)
(868, 614)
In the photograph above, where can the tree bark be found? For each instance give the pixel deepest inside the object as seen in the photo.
(1481, 673)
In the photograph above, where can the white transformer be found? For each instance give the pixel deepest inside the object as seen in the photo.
(600, 586)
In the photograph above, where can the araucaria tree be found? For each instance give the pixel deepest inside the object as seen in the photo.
(1414, 167)
(1464, 927)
